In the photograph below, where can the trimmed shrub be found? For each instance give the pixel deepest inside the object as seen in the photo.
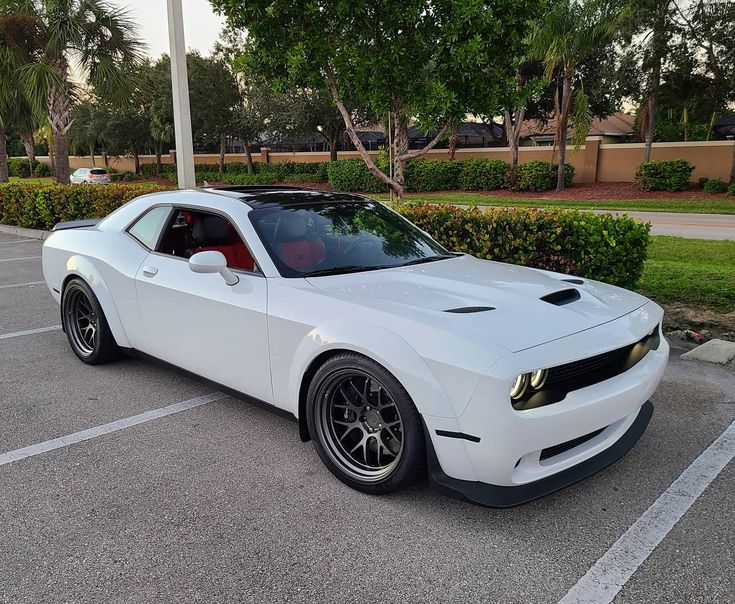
(482, 174)
(42, 171)
(715, 185)
(302, 178)
(20, 167)
(37, 206)
(247, 179)
(664, 175)
(731, 190)
(537, 176)
(604, 247)
(432, 175)
(702, 181)
(353, 175)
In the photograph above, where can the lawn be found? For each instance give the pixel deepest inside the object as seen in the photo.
(716, 205)
(696, 273)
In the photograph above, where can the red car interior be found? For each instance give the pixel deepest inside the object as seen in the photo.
(214, 233)
(298, 244)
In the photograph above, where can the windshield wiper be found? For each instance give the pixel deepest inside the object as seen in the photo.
(337, 270)
(428, 259)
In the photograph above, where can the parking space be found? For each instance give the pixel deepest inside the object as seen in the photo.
(222, 502)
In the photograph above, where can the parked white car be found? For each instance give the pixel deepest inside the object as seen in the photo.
(90, 176)
(392, 353)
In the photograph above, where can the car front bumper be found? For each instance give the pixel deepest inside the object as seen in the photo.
(495, 455)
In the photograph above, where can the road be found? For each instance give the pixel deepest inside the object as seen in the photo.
(691, 226)
(218, 501)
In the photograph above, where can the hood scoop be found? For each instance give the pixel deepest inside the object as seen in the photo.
(573, 280)
(470, 309)
(562, 297)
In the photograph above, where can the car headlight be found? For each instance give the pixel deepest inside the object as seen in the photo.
(519, 386)
(538, 378)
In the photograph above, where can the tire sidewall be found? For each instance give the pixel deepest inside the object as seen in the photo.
(413, 457)
(103, 350)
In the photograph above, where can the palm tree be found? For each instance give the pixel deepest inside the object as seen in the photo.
(567, 34)
(99, 41)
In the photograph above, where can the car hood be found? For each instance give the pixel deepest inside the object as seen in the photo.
(520, 317)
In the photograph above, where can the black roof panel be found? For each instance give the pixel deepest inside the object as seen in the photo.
(263, 196)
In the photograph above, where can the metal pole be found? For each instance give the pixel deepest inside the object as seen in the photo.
(180, 88)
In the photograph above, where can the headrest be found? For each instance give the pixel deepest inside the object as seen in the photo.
(292, 226)
(212, 229)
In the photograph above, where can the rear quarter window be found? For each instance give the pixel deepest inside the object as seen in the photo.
(147, 228)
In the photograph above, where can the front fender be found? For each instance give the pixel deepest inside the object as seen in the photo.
(381, 345)
(83, 267)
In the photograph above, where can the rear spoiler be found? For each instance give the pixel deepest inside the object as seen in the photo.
(75, 224)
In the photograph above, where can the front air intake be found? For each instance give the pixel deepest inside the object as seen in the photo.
(562, 297)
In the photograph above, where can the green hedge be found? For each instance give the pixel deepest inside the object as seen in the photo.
(604, 247)
(664, 175)
(42, 206)
(424, 175)
(714, 185)
(20, 167)
(281, 170)
(482, 174)
(731, 190)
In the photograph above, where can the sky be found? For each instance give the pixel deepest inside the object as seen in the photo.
(201, 24)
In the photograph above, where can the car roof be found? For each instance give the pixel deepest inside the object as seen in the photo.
(257, 196)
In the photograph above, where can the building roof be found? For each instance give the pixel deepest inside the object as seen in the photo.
(618, 124)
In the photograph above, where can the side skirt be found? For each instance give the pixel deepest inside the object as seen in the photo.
(221, 387)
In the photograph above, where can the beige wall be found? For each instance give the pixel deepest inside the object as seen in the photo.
(593, 162)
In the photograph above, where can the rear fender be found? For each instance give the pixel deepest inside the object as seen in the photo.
(83, 267)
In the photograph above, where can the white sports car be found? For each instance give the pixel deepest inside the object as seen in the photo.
(392, 353)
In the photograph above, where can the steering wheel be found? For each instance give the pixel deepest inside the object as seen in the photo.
(362, 243)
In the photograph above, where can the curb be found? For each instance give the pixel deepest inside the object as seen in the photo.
(7, 229)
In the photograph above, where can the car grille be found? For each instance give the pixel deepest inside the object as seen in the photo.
(570, 444)
(566, 378)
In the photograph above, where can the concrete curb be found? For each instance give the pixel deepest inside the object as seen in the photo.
(7, 229)
(719, 352)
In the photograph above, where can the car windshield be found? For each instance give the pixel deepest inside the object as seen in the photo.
(340, 237)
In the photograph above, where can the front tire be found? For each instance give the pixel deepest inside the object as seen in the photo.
(85, 325)
(364, 425)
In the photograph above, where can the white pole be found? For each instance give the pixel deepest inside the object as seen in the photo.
(180, 87)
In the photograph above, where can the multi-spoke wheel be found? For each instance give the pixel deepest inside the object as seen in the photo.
(364, 425)
(85, 324)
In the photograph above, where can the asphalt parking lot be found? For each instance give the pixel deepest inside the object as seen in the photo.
(223, 503)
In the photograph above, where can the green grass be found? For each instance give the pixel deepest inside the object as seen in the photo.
(694, 272)
(32, 181)
(723, 205)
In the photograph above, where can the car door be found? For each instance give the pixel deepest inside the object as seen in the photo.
(198, 322)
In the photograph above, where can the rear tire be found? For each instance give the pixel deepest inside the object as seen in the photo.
(85, 325)
(364, 425)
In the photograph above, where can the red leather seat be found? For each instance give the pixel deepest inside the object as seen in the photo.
(215, 234)
(297, 244)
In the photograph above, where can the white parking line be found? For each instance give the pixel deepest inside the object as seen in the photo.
(28, 332)
(612, 571)
(121, 424)
(22, 284)
(14, 259)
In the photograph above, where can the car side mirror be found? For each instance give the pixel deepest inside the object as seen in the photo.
(213, 262)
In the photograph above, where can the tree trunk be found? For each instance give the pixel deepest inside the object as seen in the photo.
(50, 145)
(30, 147)
(452, 142)
(654, 85)
(249, 156)
(136, 161)
(91, 154)
(400, 142)
(159, 152)
(60, 108)
(222, 150)
(513, 124)
(563, 123)
(333, 147)
(3, 156)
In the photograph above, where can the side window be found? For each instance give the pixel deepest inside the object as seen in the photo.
(190, 231)
(148, 226)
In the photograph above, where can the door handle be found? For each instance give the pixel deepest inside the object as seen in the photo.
(150, 271)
